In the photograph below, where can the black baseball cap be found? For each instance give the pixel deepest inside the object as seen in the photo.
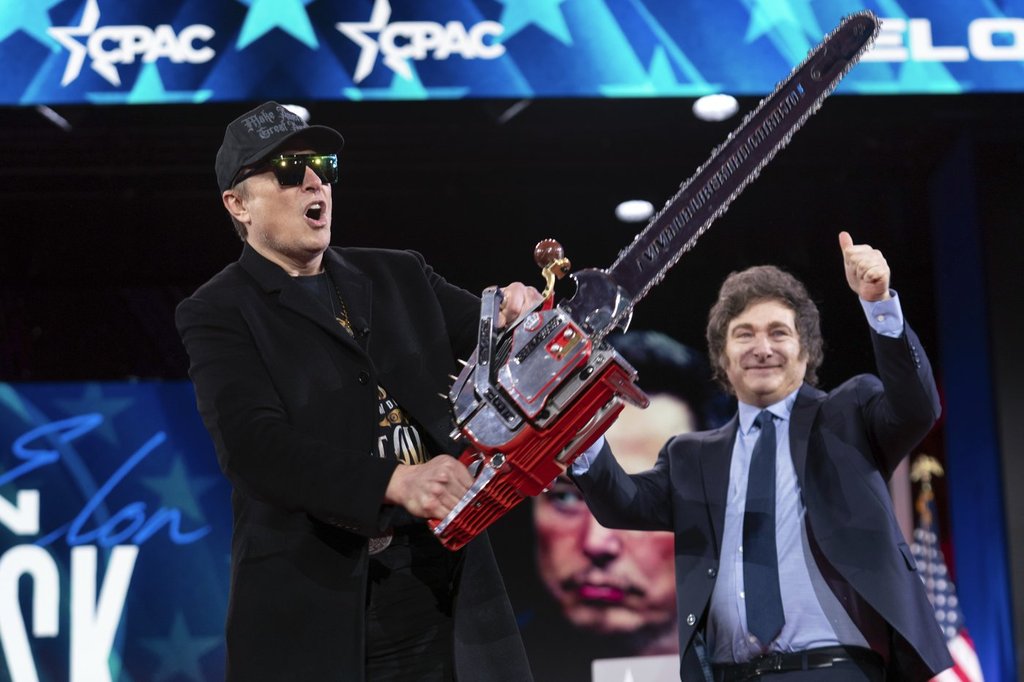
(254, 135)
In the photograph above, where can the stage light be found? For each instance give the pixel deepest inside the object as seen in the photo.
(54, 118)
(634, 211)
(715, 107)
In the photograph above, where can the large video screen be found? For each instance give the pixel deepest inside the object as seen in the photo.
(116, 52)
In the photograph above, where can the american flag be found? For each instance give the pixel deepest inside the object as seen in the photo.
(931, 564)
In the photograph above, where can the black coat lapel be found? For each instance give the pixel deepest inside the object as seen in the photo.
(715, 459)
(274, 280)
(356, 289)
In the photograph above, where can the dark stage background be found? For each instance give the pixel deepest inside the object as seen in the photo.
(107, 226)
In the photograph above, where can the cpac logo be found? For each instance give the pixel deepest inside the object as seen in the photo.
(404, 40)
(111, 45)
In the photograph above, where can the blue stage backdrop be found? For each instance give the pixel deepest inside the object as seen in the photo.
(172, 51)
(115, 529)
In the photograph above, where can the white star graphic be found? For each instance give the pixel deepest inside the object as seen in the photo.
(357, 30)
(65, 36)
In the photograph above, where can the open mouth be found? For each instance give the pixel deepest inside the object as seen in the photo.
(315, 211)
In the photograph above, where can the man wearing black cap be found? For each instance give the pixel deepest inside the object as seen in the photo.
(316, 371)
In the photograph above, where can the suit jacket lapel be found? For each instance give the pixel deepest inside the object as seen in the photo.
(274, 280)
(716, 454)
(808, 400)
(715, 459)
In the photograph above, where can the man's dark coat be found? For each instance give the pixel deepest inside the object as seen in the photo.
(290, 400)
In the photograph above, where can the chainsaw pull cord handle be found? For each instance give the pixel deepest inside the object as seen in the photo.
(549, 256)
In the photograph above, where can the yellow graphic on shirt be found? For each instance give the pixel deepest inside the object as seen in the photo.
(397, 437)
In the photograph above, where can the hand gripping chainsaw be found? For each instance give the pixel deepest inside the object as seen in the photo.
(533, 396)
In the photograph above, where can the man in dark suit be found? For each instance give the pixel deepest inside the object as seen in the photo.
(316, 371)
(789, 560)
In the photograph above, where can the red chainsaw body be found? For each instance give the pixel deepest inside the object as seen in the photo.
(527, 405)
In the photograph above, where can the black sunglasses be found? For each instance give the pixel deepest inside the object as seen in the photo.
(290, 169)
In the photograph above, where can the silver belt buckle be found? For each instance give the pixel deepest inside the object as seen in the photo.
(767, 663)
(381, 542)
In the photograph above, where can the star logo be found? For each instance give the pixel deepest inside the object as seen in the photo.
(108, 46)
(66, 35)
(417, 40)
(357, 30)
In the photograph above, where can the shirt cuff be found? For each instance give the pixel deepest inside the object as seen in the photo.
(582, 463)
(885, 317)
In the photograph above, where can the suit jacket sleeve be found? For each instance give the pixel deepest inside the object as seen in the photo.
(902, 404)
(640, 501)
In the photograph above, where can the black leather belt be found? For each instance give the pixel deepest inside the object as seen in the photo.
(811, 659)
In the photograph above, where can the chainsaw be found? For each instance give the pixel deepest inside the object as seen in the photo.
(536, 394)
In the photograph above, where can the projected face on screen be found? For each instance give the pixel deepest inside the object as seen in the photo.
(614, 581)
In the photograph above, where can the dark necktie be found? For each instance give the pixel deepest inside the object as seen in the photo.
(760, 559)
